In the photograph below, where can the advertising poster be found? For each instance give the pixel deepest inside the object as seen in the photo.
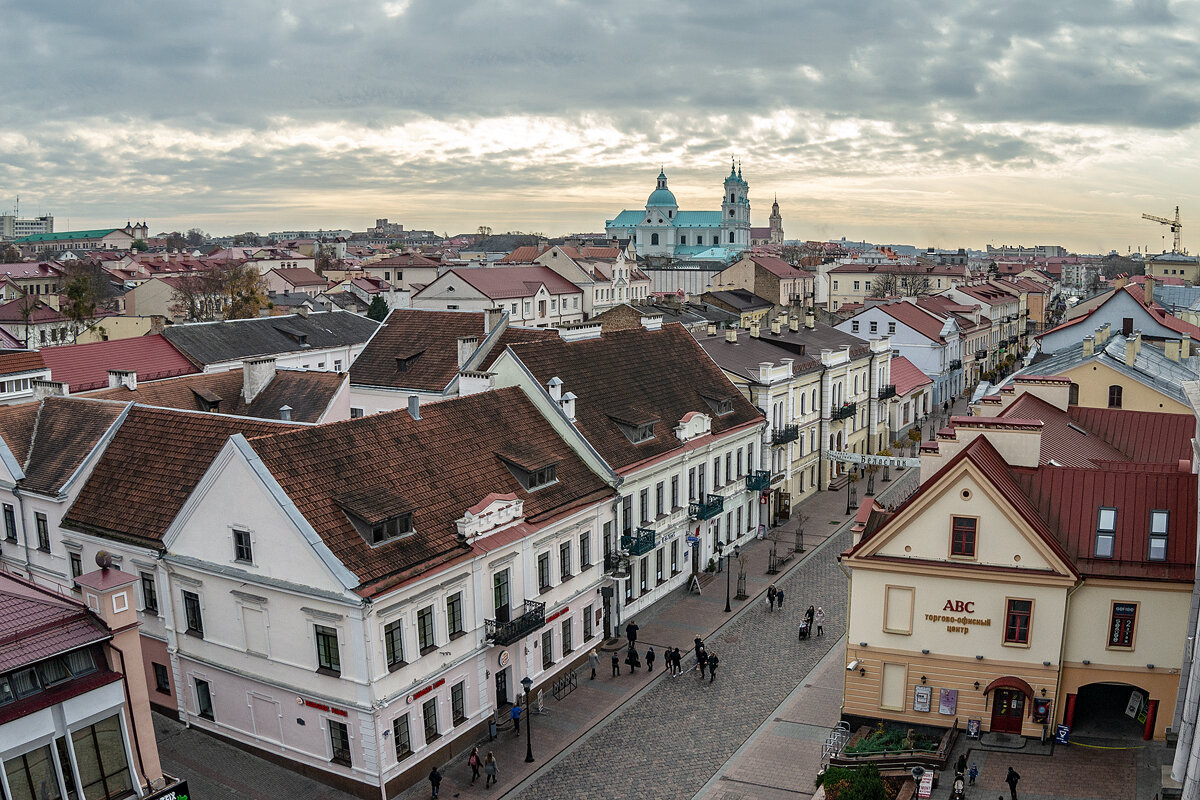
(921, 695)
(948, 701)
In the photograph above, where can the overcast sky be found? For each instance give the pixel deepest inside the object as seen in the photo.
(931, 122)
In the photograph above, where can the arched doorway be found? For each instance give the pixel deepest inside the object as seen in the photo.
(1010, 697)
(1111, 712)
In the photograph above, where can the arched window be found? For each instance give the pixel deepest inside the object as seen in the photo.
(654, 238)
(1073, 395)
(1114, 396)
(731, 237)
(731, 197)
(856, 384)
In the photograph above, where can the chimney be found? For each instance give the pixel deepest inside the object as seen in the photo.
(302, 311)
(754, 328)
(492, 318)
(122, 377)
(794, 324)
(158, 324)
(257, 374)
(466, 346)
(44, 388)
(1133, 343)
(1089, 346)
(1171, 349)
(712, 329)
(1149, 290)
(1103, 334)
(1185, 346)
(764, 371)
(810, 320)
(568, 405)
(731, 335)
(554, 387)
(285, 413)
(414, 406)
(776, 327)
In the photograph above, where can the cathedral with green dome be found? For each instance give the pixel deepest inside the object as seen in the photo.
(663, 231)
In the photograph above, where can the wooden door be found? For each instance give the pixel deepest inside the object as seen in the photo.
(1008, 710)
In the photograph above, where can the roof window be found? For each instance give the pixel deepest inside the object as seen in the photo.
(530, 469)
(1106, 532)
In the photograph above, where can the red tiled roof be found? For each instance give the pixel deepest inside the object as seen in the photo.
(408, 332)
(1144, 436)
(13, 362)
(152, 464)
(906, 377)
(1063, 440)
(86, 366)
(451, 459)
(636, 375)
(26, 271)
(508, 282)
(37, 623)
(778, 267)
(12, 312)
(919, 319)
(300, 276)
(403, 260)
(307, 393)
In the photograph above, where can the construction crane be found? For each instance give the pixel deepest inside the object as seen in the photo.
(1174, 224)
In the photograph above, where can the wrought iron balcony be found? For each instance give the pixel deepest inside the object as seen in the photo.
(640, 544)
(847, 411)
(707, 509)
(956, 363)
(886, 392)
(785, 433)
(531, 619)
(758, 480)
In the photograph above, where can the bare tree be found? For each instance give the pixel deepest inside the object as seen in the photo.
(885, 285)
(916, 286)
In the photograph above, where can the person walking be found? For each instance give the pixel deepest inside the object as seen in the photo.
(435, 781)
(631, 633)
(779, 599)
(809, 613)
(649, 659)
(771, 592)
(1011, 779)
(616, 664)
(973, 774)
(678, 662)
(631, 658)
(713, 661)
(490, 769)
(593, 662)
(820, 621)
(701, 661)
(474, 762)
(516, 718)
(960, 766)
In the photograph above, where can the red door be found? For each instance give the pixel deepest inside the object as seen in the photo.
(1008, 709)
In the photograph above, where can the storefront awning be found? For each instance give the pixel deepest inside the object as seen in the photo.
(1010, 683)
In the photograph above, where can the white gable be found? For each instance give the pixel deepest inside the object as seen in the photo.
(693, 425)
(494, 513)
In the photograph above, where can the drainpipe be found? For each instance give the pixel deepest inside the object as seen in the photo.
(24, 532)
(823, 433)
(1062, 642)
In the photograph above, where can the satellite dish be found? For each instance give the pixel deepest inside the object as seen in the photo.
(104, 559)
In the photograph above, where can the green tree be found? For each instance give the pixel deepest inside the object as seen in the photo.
(378, 310)
(81, 301)
(196, 237)
(11, 255)
(140, 245)
(246, 291)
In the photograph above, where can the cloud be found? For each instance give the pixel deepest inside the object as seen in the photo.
(232, 109)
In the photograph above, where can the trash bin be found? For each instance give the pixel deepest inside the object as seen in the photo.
(491, 729)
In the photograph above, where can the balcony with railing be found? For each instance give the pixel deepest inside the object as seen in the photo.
(503, 633)
(640, 543)
(708, 508)
(785, 433)
(847, 411)
(887, 392)
(758, 481)
(955, 363)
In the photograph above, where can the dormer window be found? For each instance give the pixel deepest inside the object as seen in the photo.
(404, 363)
(1158, 535)
(391, 528)
(719, 404)
(1106, 533)
(641, 433)
(532, 471)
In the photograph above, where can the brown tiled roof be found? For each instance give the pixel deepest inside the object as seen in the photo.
(439, 466)
(408, 330)
(636, 372)
(778, 267)
(404, 260)
(906, 376)
(16, 428)
(15, 361)
(152, 465)
(300, 276)
(513, 335)
(65, 432)
(308, 393)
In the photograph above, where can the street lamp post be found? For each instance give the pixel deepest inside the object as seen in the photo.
(528, 684)
(721, 557)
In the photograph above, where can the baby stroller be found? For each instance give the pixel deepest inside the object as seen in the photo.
(804, 628)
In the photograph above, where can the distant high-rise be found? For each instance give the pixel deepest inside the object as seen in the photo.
(11, 227)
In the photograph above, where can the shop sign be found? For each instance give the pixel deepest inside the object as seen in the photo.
(558, 614)
(505, 659)
(418, 695)
(962, 623)
(1041, 710)
(1062, 734)
(321, 707)
(1134, 704)
(948, 701)
(179, 791)
(973, 726)
(921, 696)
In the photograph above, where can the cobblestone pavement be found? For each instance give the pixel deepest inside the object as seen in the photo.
(670, 739)
(215, 769)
